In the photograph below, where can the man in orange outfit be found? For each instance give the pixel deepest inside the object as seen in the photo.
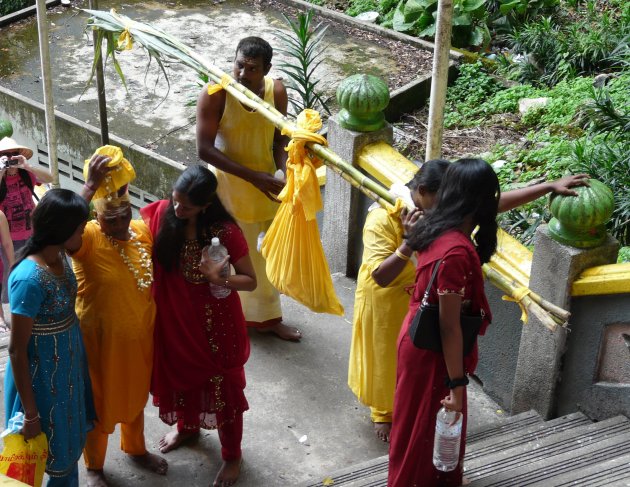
(117, 313)
(246, 150)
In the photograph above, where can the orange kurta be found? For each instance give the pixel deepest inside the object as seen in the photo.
(117, 323)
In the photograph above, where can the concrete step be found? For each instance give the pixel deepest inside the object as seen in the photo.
(533, 432)
(358, 475)
(506, 425)
(538, 462)
(613, 472)
(569, 450)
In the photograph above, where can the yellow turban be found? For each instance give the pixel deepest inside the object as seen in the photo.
(121, 174)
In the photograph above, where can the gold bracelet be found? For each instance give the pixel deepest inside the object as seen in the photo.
(401, 256)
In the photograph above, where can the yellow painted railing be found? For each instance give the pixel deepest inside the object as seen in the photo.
(385, 164)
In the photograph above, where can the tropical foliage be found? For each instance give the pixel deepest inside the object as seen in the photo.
(304, 49)
(9, 6)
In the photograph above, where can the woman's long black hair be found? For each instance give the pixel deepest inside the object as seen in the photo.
(55, 219)
(469, 187)
(200, 186)
(429, 176)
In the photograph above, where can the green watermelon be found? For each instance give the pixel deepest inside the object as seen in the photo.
(6, 129)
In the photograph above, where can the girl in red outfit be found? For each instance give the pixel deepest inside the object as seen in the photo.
(468, 198)
(201, 343)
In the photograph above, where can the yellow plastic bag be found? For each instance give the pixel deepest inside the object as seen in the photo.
(296, 264)
(24, 460)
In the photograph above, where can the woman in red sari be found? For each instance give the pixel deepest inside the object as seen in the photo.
(428, 380)
(201, 344)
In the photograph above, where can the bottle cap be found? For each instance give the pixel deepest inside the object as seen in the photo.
(215, 241)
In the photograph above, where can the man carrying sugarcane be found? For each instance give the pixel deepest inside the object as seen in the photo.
(246, 150)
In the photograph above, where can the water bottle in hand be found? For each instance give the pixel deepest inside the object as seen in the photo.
(216, 253)
(448, 434)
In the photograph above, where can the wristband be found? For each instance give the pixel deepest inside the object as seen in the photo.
(401, 256)
(31, 420)
(453, 383)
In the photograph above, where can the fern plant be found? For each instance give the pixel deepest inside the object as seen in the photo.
(303, 46)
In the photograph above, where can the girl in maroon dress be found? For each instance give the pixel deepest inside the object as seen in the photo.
(468, 198)
(201, 344)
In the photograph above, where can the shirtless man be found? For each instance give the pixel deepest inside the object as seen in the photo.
(246, 151)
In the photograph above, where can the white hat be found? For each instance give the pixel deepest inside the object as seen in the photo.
(9, 145)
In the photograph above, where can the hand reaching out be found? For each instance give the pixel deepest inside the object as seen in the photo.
(563, 185)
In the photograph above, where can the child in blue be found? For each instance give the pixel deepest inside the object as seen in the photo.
(47, 377)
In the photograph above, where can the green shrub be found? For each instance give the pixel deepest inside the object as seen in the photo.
(9, 6)
(556, 50)
(359, 6)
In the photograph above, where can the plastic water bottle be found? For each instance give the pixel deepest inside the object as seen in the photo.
(447, 440)
(279, 174)
(216, 253)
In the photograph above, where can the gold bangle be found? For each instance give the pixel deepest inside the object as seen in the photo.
(401, 256)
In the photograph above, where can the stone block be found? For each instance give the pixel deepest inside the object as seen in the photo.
(341, 232)
(554, 268)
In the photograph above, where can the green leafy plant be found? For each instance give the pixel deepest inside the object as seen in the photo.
(304, 48)
(359, 6)
(9, 6)
(605, 153)
(552, 51)
(506, 15)
(419, 17)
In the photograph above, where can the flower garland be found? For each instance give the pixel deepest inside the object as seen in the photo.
(146, 265)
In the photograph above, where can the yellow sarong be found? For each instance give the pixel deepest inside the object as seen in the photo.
(378, 315)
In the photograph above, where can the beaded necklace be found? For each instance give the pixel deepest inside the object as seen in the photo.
(146, 266)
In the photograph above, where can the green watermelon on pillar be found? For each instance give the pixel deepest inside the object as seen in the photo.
(6, 129)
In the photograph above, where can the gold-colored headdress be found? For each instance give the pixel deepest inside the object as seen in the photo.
(107, 197)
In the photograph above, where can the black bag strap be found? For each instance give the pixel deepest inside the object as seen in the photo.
(425, 298)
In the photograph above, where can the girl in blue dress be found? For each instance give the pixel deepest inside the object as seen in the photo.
(47, 377)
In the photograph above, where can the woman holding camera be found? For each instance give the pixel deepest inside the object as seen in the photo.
(17, 181)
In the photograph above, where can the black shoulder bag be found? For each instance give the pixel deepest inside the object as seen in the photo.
(425, 327)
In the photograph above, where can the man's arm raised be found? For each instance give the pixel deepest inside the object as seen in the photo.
(209, 111)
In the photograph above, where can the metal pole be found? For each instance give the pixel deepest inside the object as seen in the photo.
(49, 107)
(439, 79)
(100, 86)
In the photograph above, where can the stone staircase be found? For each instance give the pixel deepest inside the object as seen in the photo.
(524, 450)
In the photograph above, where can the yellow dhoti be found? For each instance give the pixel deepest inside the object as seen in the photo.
(261, 306)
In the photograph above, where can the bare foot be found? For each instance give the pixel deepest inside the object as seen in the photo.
(228, 474)
(283, 331)
(382, 431)
(3, 326)
(95, 478)
(152, 462)
(173, 439)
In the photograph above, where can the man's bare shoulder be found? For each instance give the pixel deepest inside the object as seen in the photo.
(211, 103)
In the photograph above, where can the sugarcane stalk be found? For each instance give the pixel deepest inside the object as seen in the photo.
(508, 285)
(247, 98)
(160, 44)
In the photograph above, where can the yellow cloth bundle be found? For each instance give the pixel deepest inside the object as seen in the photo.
(296, 264)
(121, 174)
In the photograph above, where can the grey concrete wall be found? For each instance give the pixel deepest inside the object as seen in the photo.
(498, 348)
(77, 142)
(596, 372)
